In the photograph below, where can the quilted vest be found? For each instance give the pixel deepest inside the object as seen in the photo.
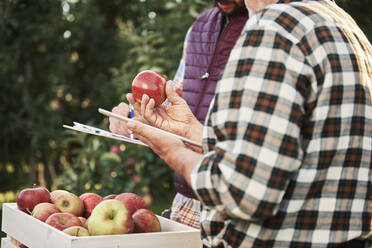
(208, 49)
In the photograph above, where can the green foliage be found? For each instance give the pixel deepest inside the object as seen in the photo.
(62, 60)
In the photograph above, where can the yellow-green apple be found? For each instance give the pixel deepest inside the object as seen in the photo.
(28, 198)
(110, 217)
(150, 83)
(70, 203)
(107, 197)
(62, 221)
(43, 210)
(90, 200)
(131, 201)
(76, 231)
(145, 221)
(55, 193)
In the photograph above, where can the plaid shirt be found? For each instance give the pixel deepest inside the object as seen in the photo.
(288, 138)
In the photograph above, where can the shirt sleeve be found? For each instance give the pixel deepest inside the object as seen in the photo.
(253, 131)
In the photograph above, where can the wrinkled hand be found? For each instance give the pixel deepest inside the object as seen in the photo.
(176, 118)
(118, 126)
(172, 150)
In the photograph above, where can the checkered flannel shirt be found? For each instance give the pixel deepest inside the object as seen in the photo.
(288, 137)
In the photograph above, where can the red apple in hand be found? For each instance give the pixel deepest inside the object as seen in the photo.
(131, 201)
(110, 217)
(43, 210)
(145, 221)
(90, 200)
(62, 221)
(70, 203)
(150, 83)
(28, 198)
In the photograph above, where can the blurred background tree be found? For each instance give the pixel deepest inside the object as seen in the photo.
(63, 59)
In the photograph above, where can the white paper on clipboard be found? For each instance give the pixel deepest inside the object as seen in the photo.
(100, 132)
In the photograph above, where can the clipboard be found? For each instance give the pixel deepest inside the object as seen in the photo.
(100, 132)
(123, 118)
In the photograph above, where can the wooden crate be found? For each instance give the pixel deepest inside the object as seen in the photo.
(35, 234)
(6, 243)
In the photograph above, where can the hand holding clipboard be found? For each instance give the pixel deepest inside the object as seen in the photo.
(124, 118)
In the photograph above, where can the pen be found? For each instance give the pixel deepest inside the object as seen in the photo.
(131, 114)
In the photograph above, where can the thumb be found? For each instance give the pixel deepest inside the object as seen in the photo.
(172, 95)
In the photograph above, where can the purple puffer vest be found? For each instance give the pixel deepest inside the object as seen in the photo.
(207, 52)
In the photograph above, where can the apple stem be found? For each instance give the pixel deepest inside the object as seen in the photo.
(28, 211)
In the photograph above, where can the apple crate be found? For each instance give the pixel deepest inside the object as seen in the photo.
(35, 234)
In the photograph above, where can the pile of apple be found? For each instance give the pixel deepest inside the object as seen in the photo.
(89, 214)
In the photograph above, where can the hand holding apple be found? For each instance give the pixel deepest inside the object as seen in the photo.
(150, 83)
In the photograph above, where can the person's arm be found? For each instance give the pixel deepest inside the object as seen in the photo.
(172, 150)
(254, 127)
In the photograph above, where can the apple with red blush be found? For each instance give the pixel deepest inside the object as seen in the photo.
(43, 210)
(70, 203)
(131, 201)
(90, 200)
(62, 221)
(77, 231)
(145, 221)
(107, 197)
(110, 217)
(150, 83)
(28, 198)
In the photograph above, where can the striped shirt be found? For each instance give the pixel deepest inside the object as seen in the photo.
(288, 139)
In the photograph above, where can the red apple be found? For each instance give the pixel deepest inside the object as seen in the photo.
(90, 200)
(131, 201)
(28, 198)
(62, 221)
(70, 203)
(43, 210)
(107, 197)
(110, 217)
(76, 231)
(145, 221)
(150, 83)
(55, 193)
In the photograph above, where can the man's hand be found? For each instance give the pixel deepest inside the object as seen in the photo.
(172, 150)
(176, 118)
(118, 126)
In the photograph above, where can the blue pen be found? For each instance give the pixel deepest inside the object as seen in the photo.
(131, 115)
